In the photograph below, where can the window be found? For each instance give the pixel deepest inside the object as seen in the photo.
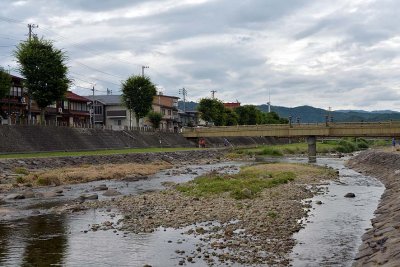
(65, 104)
(98, 110)
(163, 111)
(169, 112)
(119, 122)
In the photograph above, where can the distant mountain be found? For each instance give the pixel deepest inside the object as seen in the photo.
(308, 114)
(190, 106)
(363, 111)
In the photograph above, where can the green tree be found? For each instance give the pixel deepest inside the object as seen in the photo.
(273, 118)
(137, 94)
(5, 83)
(248, 115)
(155, 118)
(231, 118)
(212, 110)
(43, 67)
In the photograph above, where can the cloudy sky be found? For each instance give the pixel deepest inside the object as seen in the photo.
(343, 54)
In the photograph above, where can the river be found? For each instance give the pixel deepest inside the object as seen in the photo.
(32, 235)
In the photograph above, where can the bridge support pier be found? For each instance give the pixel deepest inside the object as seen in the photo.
(312, 149)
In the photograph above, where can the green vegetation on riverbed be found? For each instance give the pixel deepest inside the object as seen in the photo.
(246, 184)
(250, 181)
(347, 145)
(92, 153)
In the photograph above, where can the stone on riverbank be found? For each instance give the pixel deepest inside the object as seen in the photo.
(381, 244)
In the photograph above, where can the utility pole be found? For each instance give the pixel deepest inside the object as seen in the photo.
(30, 27)
(144, 67)
(213, 93)
(92, 111)
(269, 101)
(9, 98)
(183, 91)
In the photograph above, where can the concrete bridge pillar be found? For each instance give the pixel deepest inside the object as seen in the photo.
(312, 149)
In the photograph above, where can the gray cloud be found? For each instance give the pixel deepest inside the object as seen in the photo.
(342, 54)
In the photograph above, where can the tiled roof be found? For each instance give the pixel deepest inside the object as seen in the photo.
(72, 96)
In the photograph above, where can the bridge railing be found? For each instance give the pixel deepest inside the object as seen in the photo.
(319, 124)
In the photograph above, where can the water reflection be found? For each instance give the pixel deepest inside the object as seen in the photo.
(4, 236)
(34, 241)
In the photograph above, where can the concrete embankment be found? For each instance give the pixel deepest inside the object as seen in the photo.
(381, 244)
(24, 138)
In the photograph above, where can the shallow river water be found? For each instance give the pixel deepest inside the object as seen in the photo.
(331, 237)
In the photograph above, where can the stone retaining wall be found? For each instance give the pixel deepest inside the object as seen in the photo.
(381, 244)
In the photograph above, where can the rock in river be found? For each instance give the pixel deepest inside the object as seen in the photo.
(111, 193)
(101, 187)
(350, 195)
(88, 197)
(15, 196)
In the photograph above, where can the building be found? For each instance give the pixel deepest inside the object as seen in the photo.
(189, 118)
(13, 107)
(232, 105)
(168, 107)
(109, 112)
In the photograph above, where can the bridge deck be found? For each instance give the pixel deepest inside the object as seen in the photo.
(375, 129)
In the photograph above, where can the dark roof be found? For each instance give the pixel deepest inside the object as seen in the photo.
(170, 96)
(72, 96)
(107, 99)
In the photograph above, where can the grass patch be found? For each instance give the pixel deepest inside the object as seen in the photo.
(252, 180)
(270, 152)
(94, 152)
(21, 170)
(87, 173)
(246, 184)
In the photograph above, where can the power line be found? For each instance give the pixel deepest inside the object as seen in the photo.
(80, 63)
(87, 88)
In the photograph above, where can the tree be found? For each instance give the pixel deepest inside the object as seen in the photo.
(212, 110)
(273, 118)
(137, 94)
(155, 118)
(231, 118)
(43, 67)
(5, 83)
(249, 115)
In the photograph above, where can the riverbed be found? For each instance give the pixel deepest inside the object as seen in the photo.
(32, 234)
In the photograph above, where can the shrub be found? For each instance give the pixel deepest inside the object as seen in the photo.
(20, 180)
(346, 146)
(21, 170)
(362, 143)
(272, 214)
(270, 152)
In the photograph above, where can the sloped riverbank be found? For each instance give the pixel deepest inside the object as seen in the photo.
(381, 244)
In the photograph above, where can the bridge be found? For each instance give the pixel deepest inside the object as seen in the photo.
(310, 131)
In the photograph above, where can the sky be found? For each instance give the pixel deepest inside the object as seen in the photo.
(343, 54)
